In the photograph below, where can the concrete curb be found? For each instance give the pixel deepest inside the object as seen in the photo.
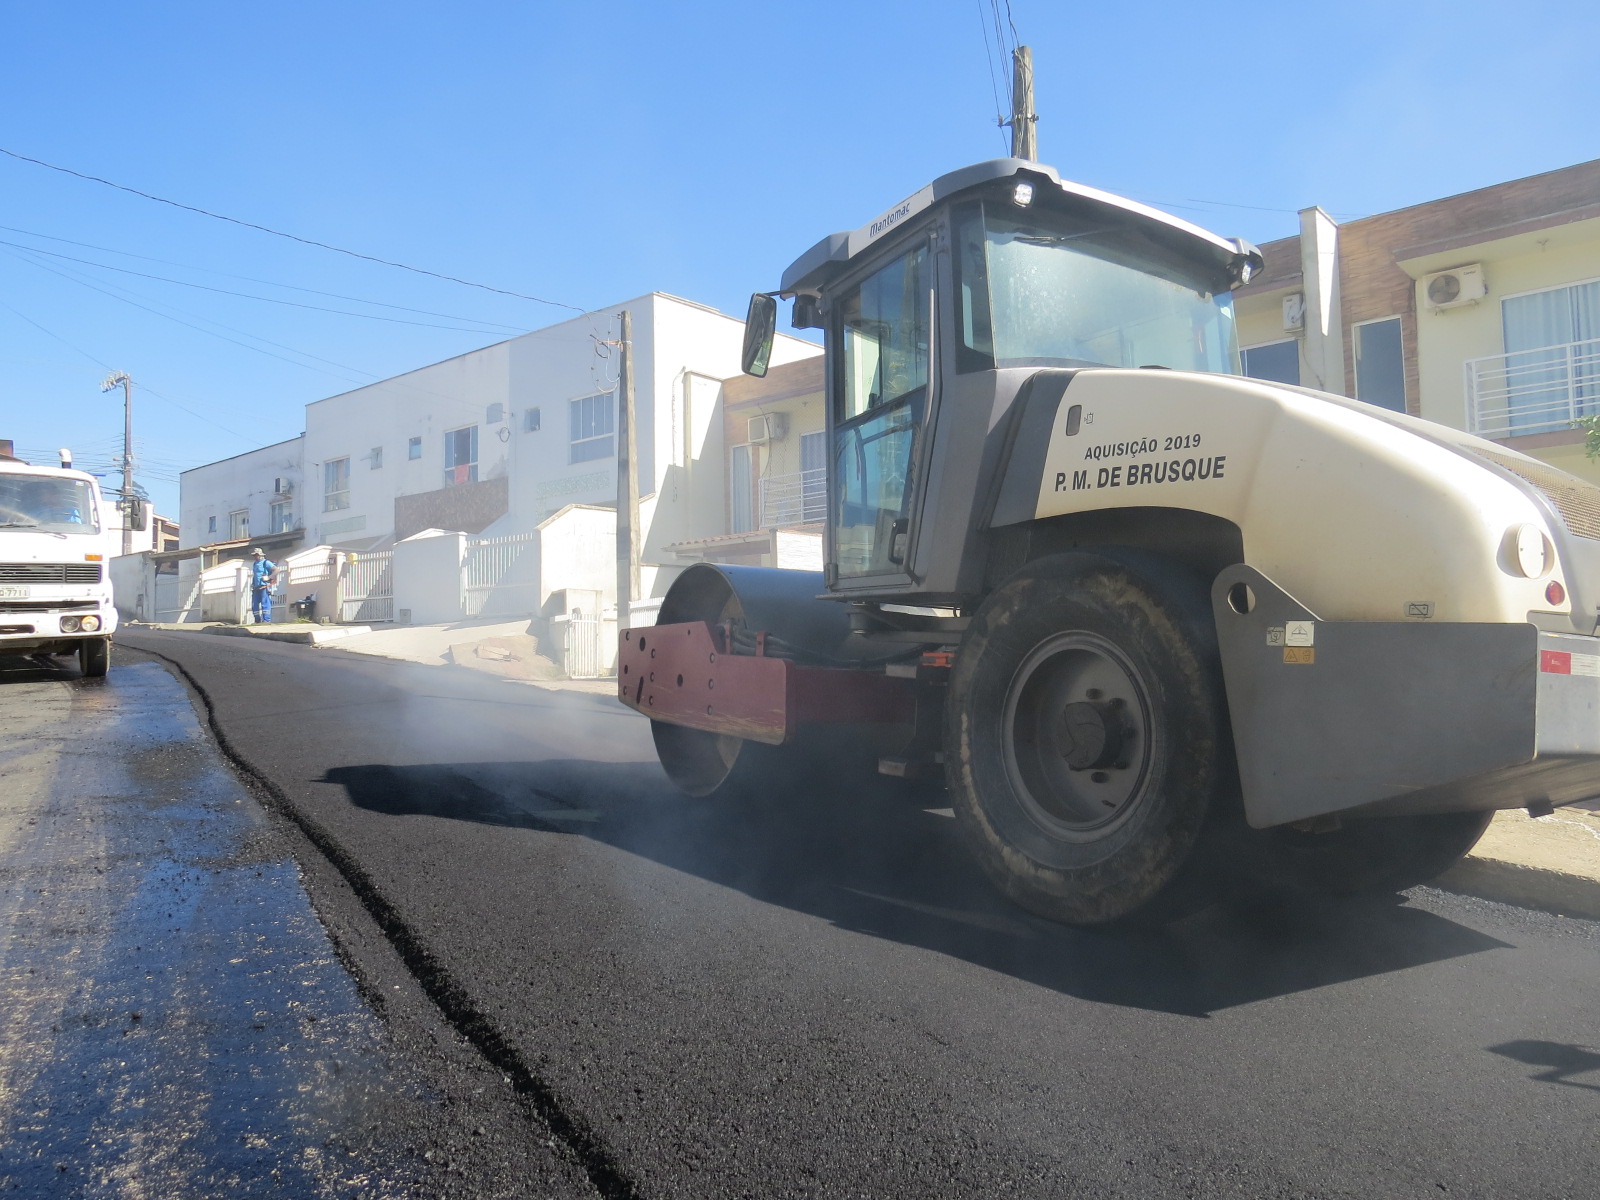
(1530, 887)
(1550, 863)
(305, 635)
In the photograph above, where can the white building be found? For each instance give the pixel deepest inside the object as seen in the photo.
(515, 438)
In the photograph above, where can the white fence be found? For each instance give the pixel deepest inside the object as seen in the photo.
(1532, 391)
(366, 587)
(583, 651)
(501, 575)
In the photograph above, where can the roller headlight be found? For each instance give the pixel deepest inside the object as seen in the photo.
(90, 624)
(70, 624)
(1528, 551)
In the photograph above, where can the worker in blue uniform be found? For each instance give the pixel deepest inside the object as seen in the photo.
(263, 574)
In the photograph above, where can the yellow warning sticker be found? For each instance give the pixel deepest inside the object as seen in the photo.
(1300, 654)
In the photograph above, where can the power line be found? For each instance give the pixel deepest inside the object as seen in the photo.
(142, 387)
(168, 316)
(994, 87)
(252, 279)
(370, 378)
(245, 295)
(39, 162)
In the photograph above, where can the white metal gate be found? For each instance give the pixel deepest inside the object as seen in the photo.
(366, 587)
(501, 575)
(582, 654)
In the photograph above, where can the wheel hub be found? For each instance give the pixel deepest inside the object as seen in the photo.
(1091, 734)
(1077, 733)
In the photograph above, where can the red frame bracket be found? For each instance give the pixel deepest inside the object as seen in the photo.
(681, 674)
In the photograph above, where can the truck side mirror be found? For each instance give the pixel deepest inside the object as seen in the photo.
(133, 510)
(760, 324)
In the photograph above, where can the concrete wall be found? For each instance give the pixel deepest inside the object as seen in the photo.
(427, 576)
(241, 482)
(577, 548)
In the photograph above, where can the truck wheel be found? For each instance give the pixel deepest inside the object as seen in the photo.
(1380, 854)
(1088, 755)
(94, 656)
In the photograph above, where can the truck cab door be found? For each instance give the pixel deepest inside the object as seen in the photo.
(884, 339)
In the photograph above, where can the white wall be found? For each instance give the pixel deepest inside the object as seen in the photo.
(241, 482)
(425, 403)
(578, 552)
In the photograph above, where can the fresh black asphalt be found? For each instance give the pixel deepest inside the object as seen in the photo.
(812, 992)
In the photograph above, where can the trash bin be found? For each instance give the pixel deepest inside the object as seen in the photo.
(303, 609)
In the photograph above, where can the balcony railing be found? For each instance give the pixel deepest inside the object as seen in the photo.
(1533, 391)
(797, 499)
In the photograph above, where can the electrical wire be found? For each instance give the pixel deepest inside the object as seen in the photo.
(166, 262)
(78, 349)
(994, 86)
(168, 316)
(245, 295)
(39, 162)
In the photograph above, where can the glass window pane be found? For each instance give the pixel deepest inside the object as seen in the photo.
(1279, 362)
(1380, 365)
(885, 334)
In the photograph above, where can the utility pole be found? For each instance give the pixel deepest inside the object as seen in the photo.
(127, 453)
(1024, 137)
(627, 479)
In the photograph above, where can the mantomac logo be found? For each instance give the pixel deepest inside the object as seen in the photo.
(889, 220)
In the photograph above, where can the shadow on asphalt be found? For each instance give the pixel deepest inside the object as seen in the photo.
(887, 861)
(43, 669)
(1561, 1058)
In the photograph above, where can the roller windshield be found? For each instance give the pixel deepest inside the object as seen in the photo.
(1038, 293)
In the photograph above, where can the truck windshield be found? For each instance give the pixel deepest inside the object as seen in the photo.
(46, 504)
(1037, 294)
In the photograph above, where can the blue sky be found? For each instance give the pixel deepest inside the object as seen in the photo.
(589, 154)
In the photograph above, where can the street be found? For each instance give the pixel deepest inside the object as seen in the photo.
(814, 993)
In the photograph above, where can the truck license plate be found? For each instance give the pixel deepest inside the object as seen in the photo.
(14, 591)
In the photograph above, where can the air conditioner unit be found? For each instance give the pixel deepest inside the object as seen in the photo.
(282, 486)
(769, 428)
(1458, 285)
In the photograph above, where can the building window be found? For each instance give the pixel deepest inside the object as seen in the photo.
(530, 421)
(239, 525)
(813, 478)
(592, 426)
(335, 484)
(461, 456)
(377, 457)
(414, 448)
(211, 525)
(1380, 364)
(1552, 359)
(1277, 361)
(279, 518)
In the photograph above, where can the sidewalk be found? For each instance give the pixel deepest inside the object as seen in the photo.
(1551, 863)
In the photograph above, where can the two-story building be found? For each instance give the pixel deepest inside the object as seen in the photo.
(500, 442)
(1480, 311)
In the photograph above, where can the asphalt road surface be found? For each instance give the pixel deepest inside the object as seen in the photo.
(813, 993)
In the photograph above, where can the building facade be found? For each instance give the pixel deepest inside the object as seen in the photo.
(1479, 311)
(498, 443)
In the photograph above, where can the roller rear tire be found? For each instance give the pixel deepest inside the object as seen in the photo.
(1088, 754)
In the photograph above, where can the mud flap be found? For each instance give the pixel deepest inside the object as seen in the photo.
(1389, 718)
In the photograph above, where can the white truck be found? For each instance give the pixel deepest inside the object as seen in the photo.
(55, 553)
